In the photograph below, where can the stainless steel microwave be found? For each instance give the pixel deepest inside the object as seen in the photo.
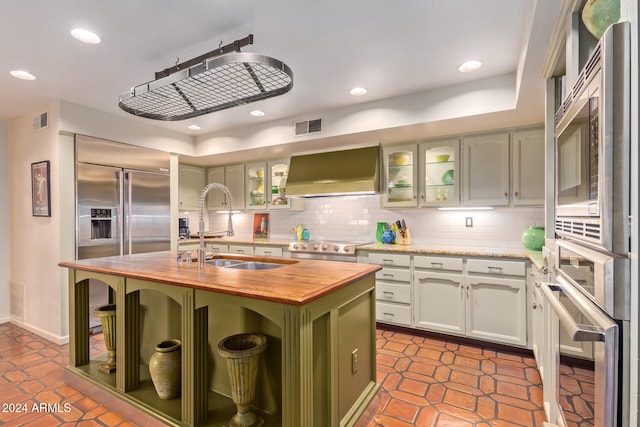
(592, 148)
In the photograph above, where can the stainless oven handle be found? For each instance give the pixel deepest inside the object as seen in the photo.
(577, 332)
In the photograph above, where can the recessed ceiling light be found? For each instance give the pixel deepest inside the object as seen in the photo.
(358, 91)
(193, 127)
(85, 36)
(257, 113)
(469, 66)
(24, 75)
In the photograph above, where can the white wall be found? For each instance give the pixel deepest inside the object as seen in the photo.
(355, 218)
(5, 228)
(35, 252)
(36, 286)
(76, 118)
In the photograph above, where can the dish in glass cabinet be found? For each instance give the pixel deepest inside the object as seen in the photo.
(447, 177)
(440, 158)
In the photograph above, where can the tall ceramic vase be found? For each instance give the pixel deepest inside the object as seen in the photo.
(107, 316)
(533, 238)
(165, 369)
(242, 354)
(380, 227)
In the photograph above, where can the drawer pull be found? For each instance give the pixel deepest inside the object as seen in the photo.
(267, 252)
(387, 292)
(388, 314)
(387, 260)
(438, 264)
(491, 267)
(387, 274)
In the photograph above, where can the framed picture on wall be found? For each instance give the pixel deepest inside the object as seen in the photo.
(40, 189)
(260, 225)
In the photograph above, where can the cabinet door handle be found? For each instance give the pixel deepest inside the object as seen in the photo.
(516, 194)
(536, 306)
(506, 195)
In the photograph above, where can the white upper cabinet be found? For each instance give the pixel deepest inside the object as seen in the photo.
(527, 167)
(439, 173)
(215, 199)
(232, 177)
(191, 181)
(267, 186)
(486, 170)
(256, 185)
(400, 177)
(234, 180)
(277, 191)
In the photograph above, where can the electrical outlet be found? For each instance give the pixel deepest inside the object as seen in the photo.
(354, 361)
(469, 222)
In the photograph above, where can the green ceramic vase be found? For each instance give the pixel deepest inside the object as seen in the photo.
(598, 15)
(533, 238)
(380, 230)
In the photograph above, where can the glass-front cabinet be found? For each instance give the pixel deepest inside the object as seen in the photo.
(400, 176)
(439, 173)
(256, 185)
(267, 186)
(278, 171)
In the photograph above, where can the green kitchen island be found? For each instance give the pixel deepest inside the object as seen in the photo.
(319, 367)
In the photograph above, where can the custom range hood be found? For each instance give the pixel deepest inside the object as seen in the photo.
(336, 173)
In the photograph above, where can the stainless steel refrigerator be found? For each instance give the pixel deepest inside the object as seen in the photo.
(121, 208)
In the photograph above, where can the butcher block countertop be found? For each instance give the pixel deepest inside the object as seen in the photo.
(297, 282)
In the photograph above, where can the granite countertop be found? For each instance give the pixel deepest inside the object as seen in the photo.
(240, 240)
(533, 256)
(297, 282)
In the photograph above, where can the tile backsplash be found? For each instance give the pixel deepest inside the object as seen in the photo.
(355, 219)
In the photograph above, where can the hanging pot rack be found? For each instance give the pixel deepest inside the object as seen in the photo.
(217, 80)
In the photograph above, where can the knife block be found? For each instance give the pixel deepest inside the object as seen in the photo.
(406, 240)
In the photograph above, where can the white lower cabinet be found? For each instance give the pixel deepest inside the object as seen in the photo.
(460, 298)
(267, 251)
(393, 288)
(217, 248)
(241, 249)
(439, 302)
(497, 309)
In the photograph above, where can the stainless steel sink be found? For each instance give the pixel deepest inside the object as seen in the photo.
(243, 264)
(255, 265)
(223, 262)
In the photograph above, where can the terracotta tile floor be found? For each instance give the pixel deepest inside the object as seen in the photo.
(424, 382)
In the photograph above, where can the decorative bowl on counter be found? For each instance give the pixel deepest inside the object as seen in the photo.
(442, 158)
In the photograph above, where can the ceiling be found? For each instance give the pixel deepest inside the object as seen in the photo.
(393, 49)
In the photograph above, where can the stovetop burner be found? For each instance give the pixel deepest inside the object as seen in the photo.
(325, 247)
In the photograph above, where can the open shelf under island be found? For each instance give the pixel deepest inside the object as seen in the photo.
(318, 369)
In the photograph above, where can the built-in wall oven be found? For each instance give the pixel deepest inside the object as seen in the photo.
(589, 296)
(592, 147)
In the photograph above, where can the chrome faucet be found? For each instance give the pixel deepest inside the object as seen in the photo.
(203, 196)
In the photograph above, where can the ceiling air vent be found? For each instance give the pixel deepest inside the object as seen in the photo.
(308, 126)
